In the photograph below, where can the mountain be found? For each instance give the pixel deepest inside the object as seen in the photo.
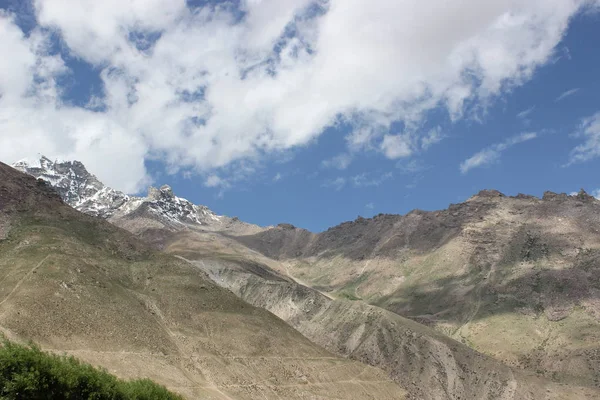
(517, 278)
(428, 364)
(79, 285)
(489, 273)
(159, 210)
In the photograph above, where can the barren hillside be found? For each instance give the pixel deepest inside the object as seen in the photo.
(427, 363)
(517, 278)
(77, 284)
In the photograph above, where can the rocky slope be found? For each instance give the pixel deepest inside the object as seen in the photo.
(517, 278)
(77, 284)
(428, 364)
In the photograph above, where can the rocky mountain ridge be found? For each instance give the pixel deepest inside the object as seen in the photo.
(83, 191)
(424, 230)
(514, 277)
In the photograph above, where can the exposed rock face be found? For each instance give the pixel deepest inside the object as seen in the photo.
(161, 209)
(555, 196)
(384, 235)
(491, 193)
(76, 186)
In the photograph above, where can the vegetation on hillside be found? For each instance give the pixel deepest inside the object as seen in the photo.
(26, 372)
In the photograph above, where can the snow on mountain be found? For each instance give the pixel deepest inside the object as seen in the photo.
(84, 192)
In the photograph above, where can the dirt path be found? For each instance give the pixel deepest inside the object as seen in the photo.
(28, 274)
(160, 319)
(220, 357)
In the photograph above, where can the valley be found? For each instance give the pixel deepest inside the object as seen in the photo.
(494, 298)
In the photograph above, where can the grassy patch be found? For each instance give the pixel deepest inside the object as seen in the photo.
(349, 291)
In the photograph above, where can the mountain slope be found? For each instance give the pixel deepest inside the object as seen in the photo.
(77, 284)
(517, 278)
(427, 363)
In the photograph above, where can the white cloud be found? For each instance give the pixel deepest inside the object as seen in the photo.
(362, 138)
(525, 113)
(202, 90)
(15, 71)
(341, 161)
(366, 180)
(396, 146)
(362, 180)
(337, 183)
(277, 177)
(566, 94)
(492, 154)
(589, 130)
(411, 167)
(370, 206)
(479, 159)
(432, 137)
(214, 181)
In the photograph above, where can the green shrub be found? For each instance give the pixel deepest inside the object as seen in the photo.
(26, 372)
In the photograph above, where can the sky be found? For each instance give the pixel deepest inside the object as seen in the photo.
(308, 112)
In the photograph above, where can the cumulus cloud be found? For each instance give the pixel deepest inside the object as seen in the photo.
(205, 88)
(589, 131)
(492, 154)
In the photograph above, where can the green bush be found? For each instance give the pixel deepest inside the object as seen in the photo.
(26, 372)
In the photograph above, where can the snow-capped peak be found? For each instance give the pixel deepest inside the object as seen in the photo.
(84, 192)
(76, 185)
(164, 202)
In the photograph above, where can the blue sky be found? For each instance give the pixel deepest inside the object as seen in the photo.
(311, 113)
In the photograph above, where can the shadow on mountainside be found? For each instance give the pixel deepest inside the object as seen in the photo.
(553, 292)
(545, 320)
